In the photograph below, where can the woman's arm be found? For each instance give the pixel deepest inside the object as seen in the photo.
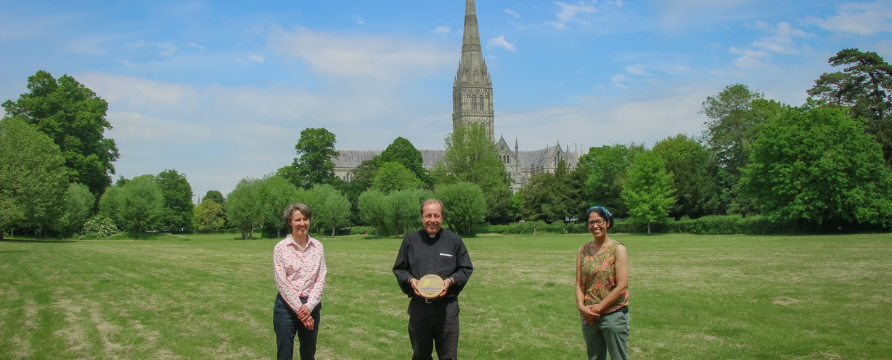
(319, 284)
(622, 280)
(587, 314)
(288, 294)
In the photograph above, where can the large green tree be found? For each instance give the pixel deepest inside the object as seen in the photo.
(215, 195)
(403, 152)
(374, 209)
(732, 126)
(79, 203)
(331, 209)
(393, 176)
(208, 216)
(465, 206)
(33, 180)
(403, 212)
(243, 208)
(313, 164)
(695, 176)
(110, 203)
(648, 192)
(472, 157)
(365, 173)
(276, 193)
(864, 85)
(817, 164)
(550, 197)
(360, 181)
(177, 200)
(608, 166)
(141, 205)
(73, 116)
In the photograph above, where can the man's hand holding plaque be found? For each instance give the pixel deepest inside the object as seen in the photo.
(431, 286)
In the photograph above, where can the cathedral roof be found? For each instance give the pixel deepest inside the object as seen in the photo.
(351, 158)
(541, 158)
(429, 158)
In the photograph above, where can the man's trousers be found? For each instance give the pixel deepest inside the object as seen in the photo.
(434, 322)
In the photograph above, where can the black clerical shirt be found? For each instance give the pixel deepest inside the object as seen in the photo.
(444, 254)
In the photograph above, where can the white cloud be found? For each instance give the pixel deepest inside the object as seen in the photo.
(749, 58)
(501, 42)
(19, 26)
(167, 49)
(512, 13)
(645, 119)
(556, 24)
(620, 3)
(137, 43)
(374, 56)
(91, 46)
(196, 46)
(257, 58)
(618, 80)
(441, 30)
(568, 13)
(637, 69)
(687, 13)
(857, 18)
(135, 92)
(249, 130)
(884, 48)
(358, 19)
(781, 41)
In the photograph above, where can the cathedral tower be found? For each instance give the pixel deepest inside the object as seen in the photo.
(472, 90)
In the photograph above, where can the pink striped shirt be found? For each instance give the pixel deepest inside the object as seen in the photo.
(299, 273)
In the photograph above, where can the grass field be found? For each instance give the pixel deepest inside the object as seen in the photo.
(692, 297)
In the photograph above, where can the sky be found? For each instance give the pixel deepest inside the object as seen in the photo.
(220, 90)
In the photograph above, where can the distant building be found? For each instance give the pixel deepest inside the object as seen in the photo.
(472, 103)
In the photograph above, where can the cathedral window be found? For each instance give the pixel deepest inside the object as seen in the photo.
(474, 103)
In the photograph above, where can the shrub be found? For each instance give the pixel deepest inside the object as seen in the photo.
(99, 227)
(361, 230)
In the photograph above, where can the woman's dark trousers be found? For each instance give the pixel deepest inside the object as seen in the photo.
(286, 324)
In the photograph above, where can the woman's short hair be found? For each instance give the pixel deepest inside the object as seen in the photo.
(602, 212)
(428, 201)
(290, 209)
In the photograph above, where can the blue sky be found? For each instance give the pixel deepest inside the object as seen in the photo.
(221, 90)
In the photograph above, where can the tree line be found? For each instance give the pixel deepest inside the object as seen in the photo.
(825, 161)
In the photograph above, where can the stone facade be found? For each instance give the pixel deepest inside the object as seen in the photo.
(472, 103)
(522, 165)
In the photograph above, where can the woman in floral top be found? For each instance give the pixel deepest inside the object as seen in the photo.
(602, 290)
(299, 270)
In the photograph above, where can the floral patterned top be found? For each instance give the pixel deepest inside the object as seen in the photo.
(299, 273)
(599, 275)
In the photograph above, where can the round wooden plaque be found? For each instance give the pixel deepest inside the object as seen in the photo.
(430, 285)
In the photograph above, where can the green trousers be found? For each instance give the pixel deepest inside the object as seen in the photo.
(607, 335)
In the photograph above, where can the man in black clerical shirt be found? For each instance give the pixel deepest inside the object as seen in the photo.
(433, 250)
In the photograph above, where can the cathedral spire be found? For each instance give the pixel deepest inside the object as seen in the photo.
(471, 40)
(472, 101)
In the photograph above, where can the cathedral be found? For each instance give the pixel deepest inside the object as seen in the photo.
(472, 103)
